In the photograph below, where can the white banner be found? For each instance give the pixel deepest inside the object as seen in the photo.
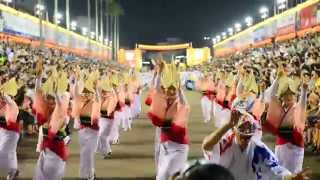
(286, 24)
(20, 25)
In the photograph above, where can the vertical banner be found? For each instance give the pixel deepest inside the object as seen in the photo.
(196, 56)
(138, 58)
(190, 57)
(131, 58)
(121, 56)
(206, 54)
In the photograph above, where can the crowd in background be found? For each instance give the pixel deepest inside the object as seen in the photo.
(300, 59)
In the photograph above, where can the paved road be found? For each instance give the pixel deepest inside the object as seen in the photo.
(133, 157)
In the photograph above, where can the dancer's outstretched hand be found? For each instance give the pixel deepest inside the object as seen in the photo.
(235, 117)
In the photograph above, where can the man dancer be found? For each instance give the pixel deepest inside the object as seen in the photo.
(244, 156)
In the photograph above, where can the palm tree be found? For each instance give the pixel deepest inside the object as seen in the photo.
(115, 10)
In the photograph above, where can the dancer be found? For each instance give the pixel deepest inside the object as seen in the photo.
(86, 112)
(286, 119)
(206, 87)
(9, 129)
(51, 107)
(169, 111)
(106, 122)
(245, 157)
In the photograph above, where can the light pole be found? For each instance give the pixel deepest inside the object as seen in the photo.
(224, 35)
(57, 18)
(249, 21)
(84, 31)
(89, 23)
(282, 5)
(238, 27)
(101, 20)
(264, 11)
(230, 31)
(68, 14)
(55, 11)
(218, 38)
(39, 10)
(97, 20)
(106, 41)
(73, 25)
(214, 41)
(92, 35)
(107, 22)
(7, 2)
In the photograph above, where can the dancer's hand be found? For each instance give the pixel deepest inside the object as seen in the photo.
(39, 67)
(235, 117)
(280, 72)
(262, 87)
(304, 83)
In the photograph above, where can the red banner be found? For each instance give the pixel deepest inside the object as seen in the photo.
(308, 17)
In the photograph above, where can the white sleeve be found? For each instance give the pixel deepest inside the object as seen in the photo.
(221, 153)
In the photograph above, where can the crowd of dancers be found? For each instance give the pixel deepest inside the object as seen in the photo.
(99, 100)
(271, 90)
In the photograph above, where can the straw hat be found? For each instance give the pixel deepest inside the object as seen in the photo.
(91, 78)
(170, 76)
(105, 83)
(10, 87)
(60, 79)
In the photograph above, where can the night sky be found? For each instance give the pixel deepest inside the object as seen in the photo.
(152, 21)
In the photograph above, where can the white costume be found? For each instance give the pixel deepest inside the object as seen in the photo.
(48, 163)
(136, 108)
(104, 140)
(157, 147)
(53, 155)
(88, 144)
(207, 108)
(221, 115)
(289, 144)
(172, 159)
(127, 117)
(115, 134)
(8, 151)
